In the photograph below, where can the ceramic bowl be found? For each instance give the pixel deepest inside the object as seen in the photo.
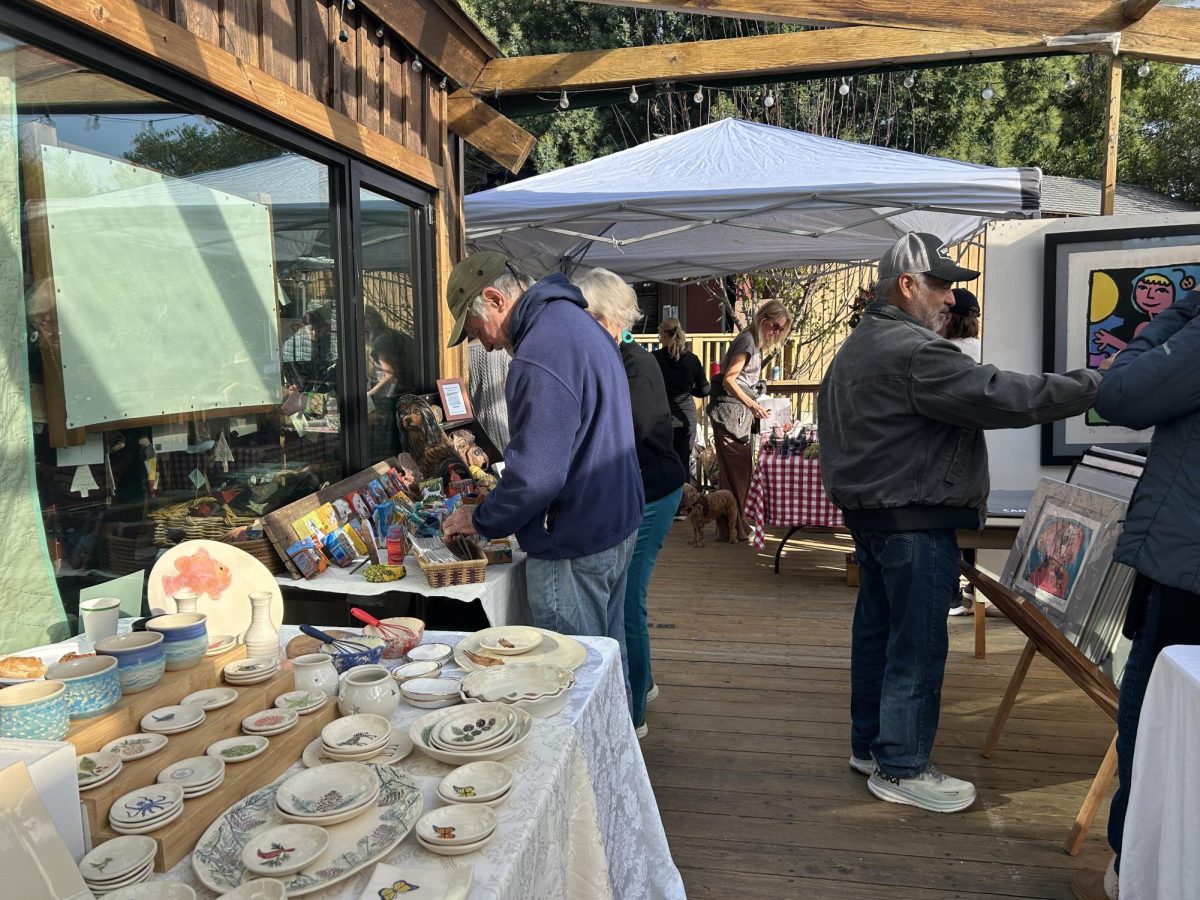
(345, 657)
(285, 849)
(141, 660)
(539, 690)
(92, 684)
(429, 688)
(421, 731)
(327, 791)
(511, 640)
(454, 849)
(356, 734)
(36, 710)
(258, 889)
(185, 638)
(423, 669)
(477, 782)
(456, 824)
(117, 858)
(401, 633)
(438, 653)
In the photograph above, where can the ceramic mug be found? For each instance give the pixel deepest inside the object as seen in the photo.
(99, 616)
(140, 659)
(185, 638)
(92, 684)
(368, 689)
(315, 672)
(35, 710)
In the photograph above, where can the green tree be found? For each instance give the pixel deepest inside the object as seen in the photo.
(192, 149)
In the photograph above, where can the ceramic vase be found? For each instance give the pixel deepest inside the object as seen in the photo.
(315, 672)
(368, 689)
(185, 601)
(262, 640)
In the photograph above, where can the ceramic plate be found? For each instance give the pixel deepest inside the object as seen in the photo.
(270, 721)
(257, 889)
(213, 698)
(146, 804)
(439, 653)
(303, 702)
(92, 769)
(511, 640)
(251, 667)
(149, 826)
(222, 575)
(514, 683)
(134, 877)
(327, 790)
(193, 772)
(404, 878)
(154, 890)
(421, 729)
(456, 824)
(173, 719)
(476, 782)
(422, 669)
(118, 858)
(555, 650)
(135, 746)
(455, 849)
(353, 845)
(238, 749)
(219, 643)
(352, 734)
(427, 689)
(397, 747)
(483, 725)
(284, 850)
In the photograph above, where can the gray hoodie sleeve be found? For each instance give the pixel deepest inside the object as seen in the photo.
(949, 386)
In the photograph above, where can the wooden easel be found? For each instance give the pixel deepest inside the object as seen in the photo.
(1044, 638)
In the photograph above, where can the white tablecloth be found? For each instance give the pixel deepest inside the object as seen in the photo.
(581, 822)
(502, 593)
(1159, 859)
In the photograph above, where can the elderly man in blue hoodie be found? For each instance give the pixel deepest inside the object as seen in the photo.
(572, 488)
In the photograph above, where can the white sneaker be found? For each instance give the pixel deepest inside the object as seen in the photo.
(652, 694)
(962, 611)
(862, 766)
(930, 790)
(1111, 881)
(642, 730)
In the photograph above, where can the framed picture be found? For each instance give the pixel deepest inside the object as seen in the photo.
(455, 403)
(1101, 288)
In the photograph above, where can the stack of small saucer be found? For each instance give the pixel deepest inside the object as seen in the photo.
(455, 830)
(431, 693)
(95, 769)
(118, 863)
(146, 809)
(486, 782)
(270, 721)
(251, 670)
(173, 719)
(303, 702)
(329, 794)
(197, 775)
(355, 738)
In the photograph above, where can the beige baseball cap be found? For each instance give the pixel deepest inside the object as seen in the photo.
(470, 276)
(920, 253)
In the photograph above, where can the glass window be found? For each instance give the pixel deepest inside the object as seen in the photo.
(179, 284)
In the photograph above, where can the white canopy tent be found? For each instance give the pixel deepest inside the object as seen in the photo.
(737, 196)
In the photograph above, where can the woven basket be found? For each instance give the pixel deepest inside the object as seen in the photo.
(262, 550)
(469, 571)
(129, 547)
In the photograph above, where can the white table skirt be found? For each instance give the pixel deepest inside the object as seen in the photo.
(581, 822)
(502, 593)
(1158, 851)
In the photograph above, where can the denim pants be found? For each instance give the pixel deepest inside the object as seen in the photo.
(650, 536)
(898, 645)
(585, 595)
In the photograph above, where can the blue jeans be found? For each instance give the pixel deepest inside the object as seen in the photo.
(650, 536)
(898, 646)
(585, 595)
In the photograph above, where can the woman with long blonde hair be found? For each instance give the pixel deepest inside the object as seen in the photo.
(683, 377)
(733, 408)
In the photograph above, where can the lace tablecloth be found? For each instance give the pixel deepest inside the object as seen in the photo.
(502, 593)
(581, 822)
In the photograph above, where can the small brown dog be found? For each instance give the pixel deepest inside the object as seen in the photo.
(720, 507)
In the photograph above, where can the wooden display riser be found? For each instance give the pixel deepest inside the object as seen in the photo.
(176, 840)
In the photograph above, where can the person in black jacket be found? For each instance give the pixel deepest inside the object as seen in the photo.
(614, 305)
(683, 376)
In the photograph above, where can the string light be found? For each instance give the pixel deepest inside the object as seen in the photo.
(844, 88)
(93, 123)
(698, 97)
(988, 93)
(1070, 84)
(350, 4)
(769, 100)
(417, 65)
(909, 81)
(1143, 70)
(563, 102)
(342, 36)
(444, 83)
(379, 32)
(633, 94)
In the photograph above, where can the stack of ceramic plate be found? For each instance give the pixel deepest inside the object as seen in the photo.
(146, 809)
(327, 795)
(425, 668)
(238, 749)
(355, 738)
(431, 693)
(251, 670)
(118, 863)
(197, 775)
(154, 890)
(397, 747)
(95, 769)
(270, 721)
(212, 698)
(135, 746)
(438, 653)
(481, 731)
(487, 783)
(303, 702)
(454, 830)
(173, 719)
(219, 643)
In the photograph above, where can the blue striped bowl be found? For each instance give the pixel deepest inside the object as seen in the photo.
(185, 638)
(140, 659)
(36, 710)
(92, 684)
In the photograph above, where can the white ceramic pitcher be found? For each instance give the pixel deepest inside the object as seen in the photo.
(368, 689)
(315, 672)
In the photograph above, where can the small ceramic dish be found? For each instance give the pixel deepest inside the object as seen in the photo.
(438, 653)
(154, 890)
(454, 849)
(483, 725)
(149, 827)
(284, 849)
(219, 643)
(251, 667)
(135, 877)
(397, 747)
(135, 746)
(258, 889)
(212, 698)
(92, 769)
(327, 791)
(270, 721)
(303, 702)
(449, 825)
(205, 789)
(193, 772)
(146, 804)
(238, 749)
(356, 734)
(477, 782)
(422, 728)
(511, 640)
(423, 669)
(538, 689)
(429, 689)
(117, 858)
(173, 719)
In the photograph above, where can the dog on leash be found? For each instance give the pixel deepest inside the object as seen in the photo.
(720, 507)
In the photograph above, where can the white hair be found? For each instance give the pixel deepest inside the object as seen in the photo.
(610, 298)
(510, 285)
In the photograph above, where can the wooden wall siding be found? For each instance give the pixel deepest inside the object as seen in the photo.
(367, 78)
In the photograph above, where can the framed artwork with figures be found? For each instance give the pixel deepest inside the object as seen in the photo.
(1102, 288)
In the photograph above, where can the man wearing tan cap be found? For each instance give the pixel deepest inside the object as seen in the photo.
(572, 488)
(901, 413)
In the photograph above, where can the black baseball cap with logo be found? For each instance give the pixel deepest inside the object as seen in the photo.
(920, 253)
(965, 303)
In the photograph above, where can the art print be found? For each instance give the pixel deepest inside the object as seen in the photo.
(1056, 554)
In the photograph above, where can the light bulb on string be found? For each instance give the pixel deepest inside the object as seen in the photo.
(379, 32)
(769, 100)
(844, 87)
(342, 36)
(633, 94)
(987, 93)
(1070, 84)
(444, 83)
(698, 97)
(563, 102)
(909, 81)
(93, 123)
(1143, 70)
(417, 65)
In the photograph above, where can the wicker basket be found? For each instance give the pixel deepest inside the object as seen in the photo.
(173, 522)
(468, 571)
(261, 549)
(129, 547)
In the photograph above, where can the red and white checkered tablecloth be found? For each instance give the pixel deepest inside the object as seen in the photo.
(787, 492)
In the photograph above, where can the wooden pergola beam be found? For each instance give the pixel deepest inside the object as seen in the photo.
(486, 130)
(1054, 17)
(1136, 9)
(769, 55)
(1168, 34)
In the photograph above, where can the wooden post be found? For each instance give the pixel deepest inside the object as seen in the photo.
(1010, 698)
(1112, 129)
(979, 611)
(1091, 803)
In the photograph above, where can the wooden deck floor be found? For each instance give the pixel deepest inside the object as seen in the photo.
(749, 739)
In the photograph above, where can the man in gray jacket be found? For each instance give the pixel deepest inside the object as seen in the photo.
(900, 412)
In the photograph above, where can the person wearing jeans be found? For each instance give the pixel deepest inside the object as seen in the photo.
(901, 413)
